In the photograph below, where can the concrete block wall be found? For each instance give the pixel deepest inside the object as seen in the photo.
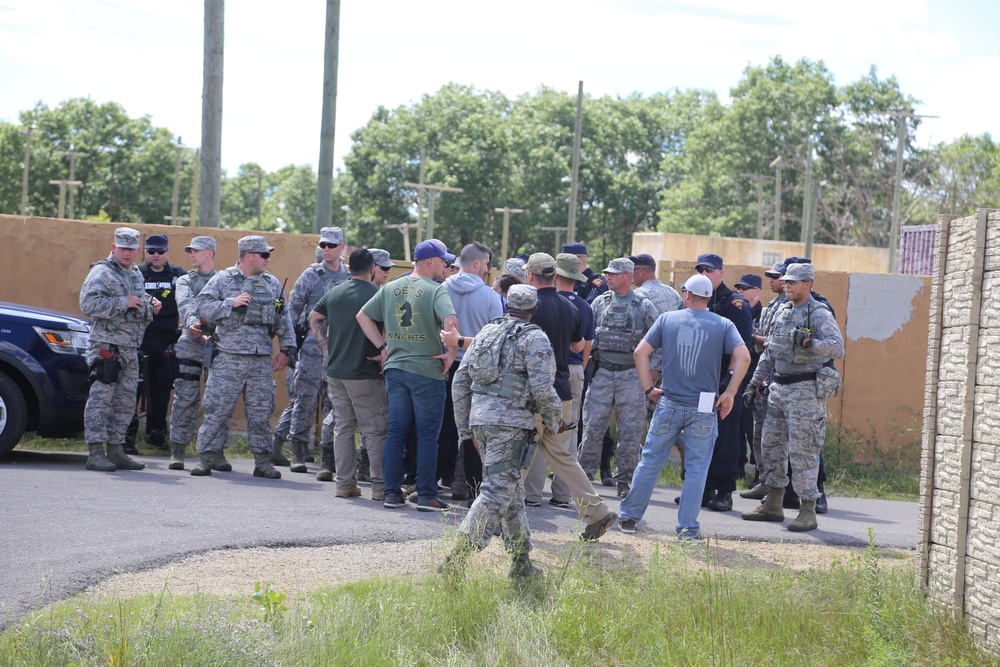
(959, 563)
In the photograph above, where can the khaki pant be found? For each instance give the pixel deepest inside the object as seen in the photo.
(358, 404)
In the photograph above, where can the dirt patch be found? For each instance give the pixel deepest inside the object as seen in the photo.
(299, 569)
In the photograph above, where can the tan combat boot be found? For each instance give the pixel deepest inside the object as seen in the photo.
(299, 449)
(219, 462)
(117, 455)
(770, 509)
(262, 466)
(806, 520)
(756, 493)
(204, 465)
(97, 460)
(176, 456)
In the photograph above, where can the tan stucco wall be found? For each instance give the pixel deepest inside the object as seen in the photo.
(757, 252)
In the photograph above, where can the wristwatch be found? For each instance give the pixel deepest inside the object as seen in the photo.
(382, 346)
(461, 342)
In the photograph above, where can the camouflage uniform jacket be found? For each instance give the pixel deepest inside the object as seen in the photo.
(314, 282)
(532, 357)
(620, 323)
(666, 299)
(188, 287)
(102, 298)
(782, 355)
(250, 329)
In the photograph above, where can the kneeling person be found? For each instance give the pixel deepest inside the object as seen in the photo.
(504, 378)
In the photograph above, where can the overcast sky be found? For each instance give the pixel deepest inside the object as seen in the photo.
(148, 56)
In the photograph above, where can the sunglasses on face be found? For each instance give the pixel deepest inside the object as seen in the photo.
(705, 269)
(791, 282)
(327, 246)
(385, 268)
(156, 251)
(263, 255)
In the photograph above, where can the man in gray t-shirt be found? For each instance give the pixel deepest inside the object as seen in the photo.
(692, 342)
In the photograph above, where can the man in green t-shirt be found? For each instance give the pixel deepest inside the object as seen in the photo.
(354, 379)
(413, 310)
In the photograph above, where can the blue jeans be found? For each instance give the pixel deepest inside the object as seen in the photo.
(415, 401)
(699, 429)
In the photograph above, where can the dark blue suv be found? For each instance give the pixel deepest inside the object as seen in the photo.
(43, 373)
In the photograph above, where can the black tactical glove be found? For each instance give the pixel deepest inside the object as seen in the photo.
(750, 395)
(803, 337)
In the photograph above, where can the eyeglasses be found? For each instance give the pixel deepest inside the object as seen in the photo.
(263, 255)
(326, 246)
(705, 269)
(156, 251)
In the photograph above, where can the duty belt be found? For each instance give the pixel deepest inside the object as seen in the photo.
(615, 367)
(793, 378)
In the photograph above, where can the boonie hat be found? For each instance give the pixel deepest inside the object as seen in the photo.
(333, 235)
(568, 266)
(157, 241)
(432, 248)
(710, 260)
(521, 297)
(126, 237)
(381, 258)
(620, 265)
(541, 264)
(200, 243)
(575, 248)
(796, 272)
(749, 280)
(698, 285)
(643, 259)
(254, 244)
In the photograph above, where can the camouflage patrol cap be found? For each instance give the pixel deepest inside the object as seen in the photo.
(515, 267)
(126, 237)
(521, 297)
(620, 265)
(201, 243)
(797, 272)
(381, 258)
(333, 235)
(254, 244)
(776, 271)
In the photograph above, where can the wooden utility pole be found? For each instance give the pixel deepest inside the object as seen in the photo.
(260, 192)
(575, 170)
(404, 229)
(760, 178)
(211, 116)
(807, 193)
(194, 188)
(73, 155)
(897, 187)
(27, 160)
(776, 165)
(506, 227)
(431, 190)
(558, 231)
(324, 188)
(63, 184)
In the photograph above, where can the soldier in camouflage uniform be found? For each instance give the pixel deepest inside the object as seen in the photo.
(664, 297)
(190, 348)
(245, 305)
(114, 297)
(297, 420)
(803, 338)
(499, 417)
(621, 319)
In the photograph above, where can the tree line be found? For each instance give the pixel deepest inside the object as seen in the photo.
(679, 161)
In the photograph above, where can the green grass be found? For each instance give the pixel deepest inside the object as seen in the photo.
(679, 609)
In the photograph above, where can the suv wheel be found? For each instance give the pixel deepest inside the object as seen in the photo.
(13, 414)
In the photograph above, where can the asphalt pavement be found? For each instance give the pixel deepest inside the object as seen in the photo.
(63, 528)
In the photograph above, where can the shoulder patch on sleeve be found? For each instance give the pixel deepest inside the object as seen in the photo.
(738, 302)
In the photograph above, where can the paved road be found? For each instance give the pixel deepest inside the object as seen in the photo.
(62, 528)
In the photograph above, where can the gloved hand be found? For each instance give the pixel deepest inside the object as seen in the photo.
(802, 338)
(293, 357)
(750, 395)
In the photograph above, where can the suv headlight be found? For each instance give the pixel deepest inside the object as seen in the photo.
(63, 341)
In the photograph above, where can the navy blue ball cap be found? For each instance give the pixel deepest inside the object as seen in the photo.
(710, 260)
(575, 248)
(157, 241)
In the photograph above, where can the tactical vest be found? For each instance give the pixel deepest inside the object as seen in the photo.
(135, 285)
(198, 281)
(327, 281)
(621, 327)
(781, 339)
(262, 309)
(489, 361)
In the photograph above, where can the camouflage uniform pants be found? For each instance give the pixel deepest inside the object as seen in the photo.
(619, 391)
(358, 404)
(110, 407)
(187, 390)
(234, 375)
(299, 416)
(794, 431)
(759, 415)
(500, 503)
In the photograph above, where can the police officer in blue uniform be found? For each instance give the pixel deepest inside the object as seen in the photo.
(723, 470)
(595, 284)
